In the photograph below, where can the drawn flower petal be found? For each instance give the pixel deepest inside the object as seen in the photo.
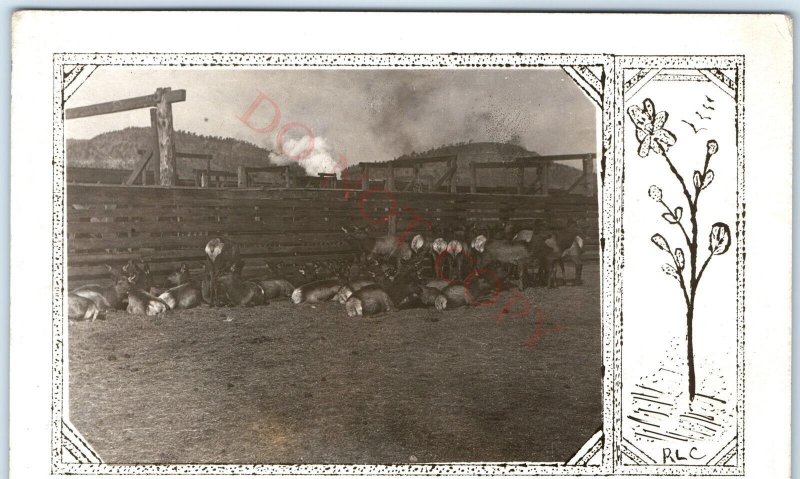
(664, 137)
(660, 119)
(649, 109)
(645, 145)
(639, 117)
(656, 146)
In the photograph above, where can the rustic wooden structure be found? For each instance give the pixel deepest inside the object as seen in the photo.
(163, 142)
(391, 167)
(244, 174)
(168, 226)
(542, 165)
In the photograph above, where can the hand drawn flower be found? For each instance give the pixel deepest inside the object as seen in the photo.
(650, 129)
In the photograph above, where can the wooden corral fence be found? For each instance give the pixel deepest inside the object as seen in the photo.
(162, 155)
(167, 226)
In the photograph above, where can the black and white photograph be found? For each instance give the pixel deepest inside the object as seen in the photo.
(344, 266)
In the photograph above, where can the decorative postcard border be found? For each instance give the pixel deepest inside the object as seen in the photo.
(599, 76)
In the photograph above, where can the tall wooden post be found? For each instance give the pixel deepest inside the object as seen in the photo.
(546, 179)
(588, 175)
(205, 179)
(453, 183)
(241, 174)
(520, 180)
(473, 173)
(166, 138)
(364, 177)
(390, 177)
(156, 158)
(286, 177)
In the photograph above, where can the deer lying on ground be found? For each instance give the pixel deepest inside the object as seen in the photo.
(238, 291)
(106, 297)
(141, 301)
(81, 308)
(186, 294)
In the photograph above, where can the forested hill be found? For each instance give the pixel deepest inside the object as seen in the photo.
(118, 150)
(561, 175)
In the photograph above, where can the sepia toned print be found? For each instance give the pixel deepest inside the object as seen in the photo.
(407, 286)
(398, 268)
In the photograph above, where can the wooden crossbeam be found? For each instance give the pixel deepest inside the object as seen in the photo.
(127, 104)
(267, 169)
(193, 156)
(215, 172)
(411, 162)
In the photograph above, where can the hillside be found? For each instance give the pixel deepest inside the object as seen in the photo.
(118, 150)
(561, 175)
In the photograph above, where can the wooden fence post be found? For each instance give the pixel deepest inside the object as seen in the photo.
(390, 177)
(546, 179)
(156, 148)
(453, 182)
(521, 180)
(473, 173)
(364, 177)
(286, 177)
(588, 175)
(166, 138)
(241, 173)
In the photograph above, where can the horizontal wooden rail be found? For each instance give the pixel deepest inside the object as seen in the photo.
(167, 226)
(127, 104)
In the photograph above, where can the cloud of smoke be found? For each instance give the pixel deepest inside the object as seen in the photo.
(314, 154)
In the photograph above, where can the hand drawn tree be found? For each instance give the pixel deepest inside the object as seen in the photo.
(653, 137)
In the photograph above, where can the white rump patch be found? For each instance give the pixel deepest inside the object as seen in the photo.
(439, 245)
(479, 243)
(417, 242)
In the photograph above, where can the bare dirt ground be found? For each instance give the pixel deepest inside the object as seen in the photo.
(296, 384)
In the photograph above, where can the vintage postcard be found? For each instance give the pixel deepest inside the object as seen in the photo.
(400, 244)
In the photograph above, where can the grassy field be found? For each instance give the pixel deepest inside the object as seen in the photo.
(302, 384)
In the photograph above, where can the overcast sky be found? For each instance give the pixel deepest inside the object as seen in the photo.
(371, 115)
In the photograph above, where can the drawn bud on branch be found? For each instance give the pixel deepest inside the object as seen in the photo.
(655, 193)
(659, 241)
(670, 271)
(673, 218)
(702, 181)
(712, 147)
(679, 259)
(719, 240)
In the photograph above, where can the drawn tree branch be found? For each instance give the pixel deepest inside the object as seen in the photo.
(654, 138)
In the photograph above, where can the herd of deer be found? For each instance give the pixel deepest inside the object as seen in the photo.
(445, 270)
